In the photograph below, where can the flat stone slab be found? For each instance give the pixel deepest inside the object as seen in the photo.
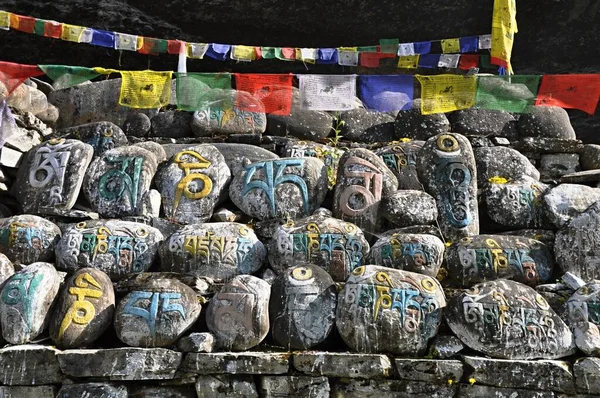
(361, 388)
(294, 386)
(236, 363)
(28, 392)
(587, 375)
(334, 364)
(433, 370)
(475, 391)
(581, 177)
(29, 365)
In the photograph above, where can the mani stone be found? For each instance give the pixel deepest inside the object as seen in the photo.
(446, 167)
(157, 314)
(6, 268)
(401, 159)
(192, 183)
(25, 302)
(484, 122)
(405, 208)
(363, 180)
(117, 183)
(566, 201)
(419, 253)
(92, 390)
(84, 310)
(383, 310)
(28, 239)
(219, 251)
(308, 149)
(102, 136)
(412, 124)
(118, 248)
(508, 320)
(583, 309)
(334, 245)
(302, 307)
(283, 188)
(499, 161)
(546, 122)
(51, 175)
(238, 315)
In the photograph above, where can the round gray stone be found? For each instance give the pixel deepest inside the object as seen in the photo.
(363, 125)
(137, 125)
(102, 136)
(484, 122)
(28, 239)
(566, 201)
(412, 124)
(405, 208)
(546, 121)
(171, 124)
(503, 162)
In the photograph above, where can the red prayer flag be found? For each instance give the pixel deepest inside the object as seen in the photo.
(12, 75)
(385, 55)
(369, 60)
(288, 53)
(22, 23)
(468, 61)
(275, 91)
(53, 29)
(570, 91)
(175, 47)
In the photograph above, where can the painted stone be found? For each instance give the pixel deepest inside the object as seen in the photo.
(419, 253)
(508, 320)
(157, 314)
(102, 136)
(383, 310)
(118, 248)
(302, 307)
(216, 250)
(401, 159)
(566, 201)
(411, 123)
(283, 188)
(6, 268)
(499, 161)
(25, 302)
(545, 236)
(238, 315)
(117, 182)
(308, 149)
(334, 245)
(583, 309)
(51, 175)
(405, 208)
(363, 180)
(191, 184)
(84, 310)
(480, 258)
(28, 239)
(446, 167)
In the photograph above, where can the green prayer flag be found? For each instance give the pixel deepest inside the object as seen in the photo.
(39, 27)
(507, 93)
(68, 76)
(196, 91)
(389, 46)
(486, 62)
(367, 49)
(268, 52)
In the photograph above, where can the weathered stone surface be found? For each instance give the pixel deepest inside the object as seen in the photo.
(479, 318)
(137, 125)
(369, 126)
(418, 253)
(118, 248)
(236, 363)
(157, 150)
(102, 136)
(218, 386)
(475, 391)
(484, 122)
(546, 121)
(117, 182)
(296, 386)
(401, 159)
(566, 201)
(216, 250)
(28, 392)
(84, 309)
(363, 180)
(92, 390)
(172, 124)
(29, 364)
(583, 310)
(432, 370)
(308, 149)
(337, 364)
(359, 388)
(446, 167)
(6, 268)
(412, 124)
(387, 310)
(121, 363)
(197, 342)
(334, 245)
(445, 346)
(238, 315)
(284, 188)
(163, 392)
(589, 158)
(534, 146)
(27, 239)
(587, 375)
(581, 177)
(556, 165)
(503, 162)
(405, 208)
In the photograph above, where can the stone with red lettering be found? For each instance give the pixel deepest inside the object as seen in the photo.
(84, 310)
(28, 239)
(401, 159)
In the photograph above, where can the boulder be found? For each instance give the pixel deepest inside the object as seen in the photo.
(590, 157)
(547, 122)
(412, 124)
(583, 310)
(502, 162)
(368, 126)
(102, 136)
(556, 165)
(484, 122)
(566, 201)
(28, 239)
(171, 124)
(137, 125)
(405, 208)
(308, 149)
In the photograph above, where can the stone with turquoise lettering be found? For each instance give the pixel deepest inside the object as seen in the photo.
(583, 311)
(25, 302)
(401, 159)
(219, 251)
(102, 136)
(482, 258)
(509, 320)
(238, 315)
(363, 180)
(384, 310)
(309, 149)
(418, 253)
(446, 167)
(51, 175)
(302, 307)
(84, 309)
(334, 245)
(28, 239)
(286, 188)
(6, 268)
(117, 182)
(118, 248)
(406, 208)
(192, 183)
(157, 314)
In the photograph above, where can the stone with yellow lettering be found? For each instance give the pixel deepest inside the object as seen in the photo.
(28, 239)
(401, 158)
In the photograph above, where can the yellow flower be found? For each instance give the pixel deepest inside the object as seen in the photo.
(498, 180)
(472, 380)
(450, 381)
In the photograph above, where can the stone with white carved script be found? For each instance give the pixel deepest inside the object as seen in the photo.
(84, 310)
(383, 310)
(509, 320)
(238, 315)
(50, 177)
(309, 149)
(102, 136)
(583, 310)
(25, 302)
(156, 314)
(28, 239)
(6, 268)
(192, 183)
(401, 159)
(286, 188)
(118, 248)
(334, 245)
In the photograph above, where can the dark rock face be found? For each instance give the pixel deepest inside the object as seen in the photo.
(546, 121)
(171, 124)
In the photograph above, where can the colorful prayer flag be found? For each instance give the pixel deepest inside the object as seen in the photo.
(268, 52)
(451, 46)
(176, 47)
(446, 93)
(285, 53)
(369, 59)
(409, 62)
(22, 23)
(196, 50)
(469, 44)
(449, 61)
(389, 46)
(53, 29)
(506, 93)
(126, 42)
(145, 89)
(4, 20)
(274, 91)
(72, 33)
(195, 90)
(328, 56)
(38, 28)
(328, 92)
(429, 61)
(103, 38)
(367, 49)
(308, 55)
(485, 42)
(153, 46)
(570, 91)
(406, 49)
(218, 51)
(67, 76)
(504, 27)
(12, 75)
(468, 61)
(386, 93)
(243, 53)
(348, 56)
(422, 47)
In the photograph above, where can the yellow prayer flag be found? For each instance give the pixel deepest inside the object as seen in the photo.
(243, 53)
(4, 20)
(145, 89)
(104, 71)
(72, 33)
(408, 61)
(446, 93)
(351, 49)
(451, 46)
(14, 21)
(504, 27)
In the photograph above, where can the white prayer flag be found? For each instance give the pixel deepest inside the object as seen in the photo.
(309, 54)
(448, 61)
(328, 92)
(348, 58)
(86, 36)
(406, 49)
(196, 50)
(127, 42)
(485, 42)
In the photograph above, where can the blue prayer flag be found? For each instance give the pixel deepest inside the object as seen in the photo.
(386, 93)
(429, 61)
(469, 44)
(327, 56)
(422, 47)
(218, 51)
(103, 38)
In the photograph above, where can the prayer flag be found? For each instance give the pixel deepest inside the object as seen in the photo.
(22, 23)
(274, 91)
(38, 28)
(328, 56)
(448, 61)
(446, 93)
(243, 53)
(389, 46)
(406, 49)
(86, 36)
(367, 49)
(103, 38)
(570, 91)
(72, 33)
(4, 20)
(451, 46)
(67, 76)
(328, 92)
(285, 53)
(348, 56)
(145, 89)
(468, 61)
(429, 61)
(506, 93)
(268, 52)
(469, 44)
(194, 90)
(423, 47)
(126, 42)
(485, 61)
(409, 62)
(176, 47)
(153, 46)
(196, 50)
(12, 75)
(504, 27)
(386, 93)
(308, 55)
(369, 59)
(218, 51)
(485, 42)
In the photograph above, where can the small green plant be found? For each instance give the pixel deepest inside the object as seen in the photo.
(338, 122)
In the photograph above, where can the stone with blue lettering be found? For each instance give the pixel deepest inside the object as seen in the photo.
(384, 310)
(28, 239)
(102, 136)
(334, 245)
(218, 251)
(156, 314)
(401, 159)
(25, 302)
(583, 311)
(286, 188)
(118, 248)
